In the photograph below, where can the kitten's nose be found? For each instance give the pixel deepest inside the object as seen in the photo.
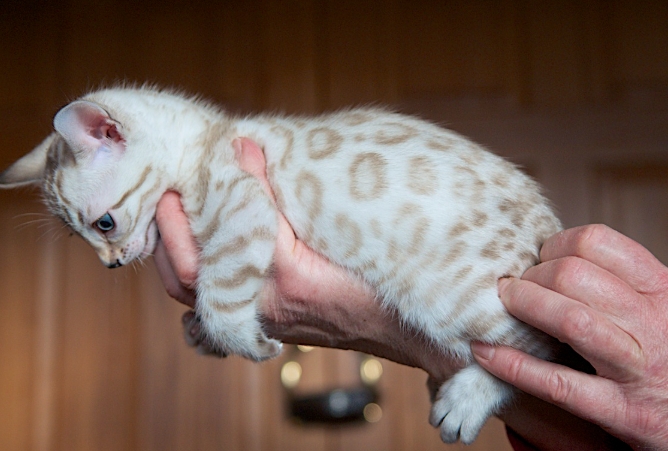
(115, 264)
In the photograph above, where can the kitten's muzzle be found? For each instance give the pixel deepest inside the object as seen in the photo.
(115, 264)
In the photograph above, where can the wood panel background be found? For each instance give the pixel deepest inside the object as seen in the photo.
(577, 91)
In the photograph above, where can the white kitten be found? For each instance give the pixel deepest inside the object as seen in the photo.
(427, 218)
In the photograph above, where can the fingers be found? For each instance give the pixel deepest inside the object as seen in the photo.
(591, 333)
(612, 251)
(169, 278)
(176, 253)
(251, 159)
(587, 396)
(585, 282)
(178, 240)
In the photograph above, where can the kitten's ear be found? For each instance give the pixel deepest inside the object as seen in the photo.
(88, 128)
(29, 169)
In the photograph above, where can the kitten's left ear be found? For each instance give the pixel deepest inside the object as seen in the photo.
(88, 128)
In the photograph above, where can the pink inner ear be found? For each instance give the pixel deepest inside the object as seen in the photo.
(106, 129)
(87, 127)
(113, 133)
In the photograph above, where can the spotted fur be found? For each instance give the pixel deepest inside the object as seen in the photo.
(426, 217)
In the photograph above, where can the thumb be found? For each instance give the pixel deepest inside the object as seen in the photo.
(251, 159)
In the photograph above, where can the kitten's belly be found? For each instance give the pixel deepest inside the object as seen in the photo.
(435, 278)
(432, 227)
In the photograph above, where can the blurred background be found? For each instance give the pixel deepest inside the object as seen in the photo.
(575, 91)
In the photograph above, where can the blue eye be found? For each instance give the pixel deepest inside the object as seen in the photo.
(105, 223)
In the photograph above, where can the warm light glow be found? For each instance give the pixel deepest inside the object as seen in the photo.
(304, 348)
(290, 374)
(373, 413)
(371, 370)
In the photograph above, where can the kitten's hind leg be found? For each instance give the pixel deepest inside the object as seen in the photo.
(465, 403)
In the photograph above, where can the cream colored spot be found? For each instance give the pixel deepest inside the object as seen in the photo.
(231, 307)
(459, 229)
(406, 212)
(479, 218)
(440, 143)
(492, 250)
(352, 233)
(239, 278)
(357, 118)
(323, 142)
(368, 176)
(376, 228)
(289, 143)
(501, 180)
(422, 177)
(454, 253)
(419, 234)
(394, 133)
(309, 193)
(462, 274)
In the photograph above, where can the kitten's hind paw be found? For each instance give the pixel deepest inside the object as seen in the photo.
(465, 402)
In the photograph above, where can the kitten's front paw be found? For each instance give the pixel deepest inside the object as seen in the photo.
(465, 402)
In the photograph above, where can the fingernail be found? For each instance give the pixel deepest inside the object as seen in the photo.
(483, 351)
(502, 287)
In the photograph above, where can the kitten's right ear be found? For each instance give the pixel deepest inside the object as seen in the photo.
(88, 128)
(29, 169)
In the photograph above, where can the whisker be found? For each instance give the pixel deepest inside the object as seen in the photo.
(23, 215)
(42, 222)
(54, 232)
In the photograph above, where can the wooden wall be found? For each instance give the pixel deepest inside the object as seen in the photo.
(577, 91)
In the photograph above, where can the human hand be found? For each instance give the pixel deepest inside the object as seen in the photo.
(308, 300)
(607, 297)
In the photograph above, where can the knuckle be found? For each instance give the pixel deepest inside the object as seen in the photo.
(188, 278)
(559, 388)
(515, 367)
(567, 273)
(578, 325)
(661, 281)
(590, 237)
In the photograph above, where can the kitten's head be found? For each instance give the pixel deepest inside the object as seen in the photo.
(94, 178)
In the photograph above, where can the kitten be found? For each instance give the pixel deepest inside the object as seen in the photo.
(427, 218)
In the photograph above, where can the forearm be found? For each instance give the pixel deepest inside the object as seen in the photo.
(347, 316)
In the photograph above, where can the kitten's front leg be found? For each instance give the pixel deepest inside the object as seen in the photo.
(236, 228)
